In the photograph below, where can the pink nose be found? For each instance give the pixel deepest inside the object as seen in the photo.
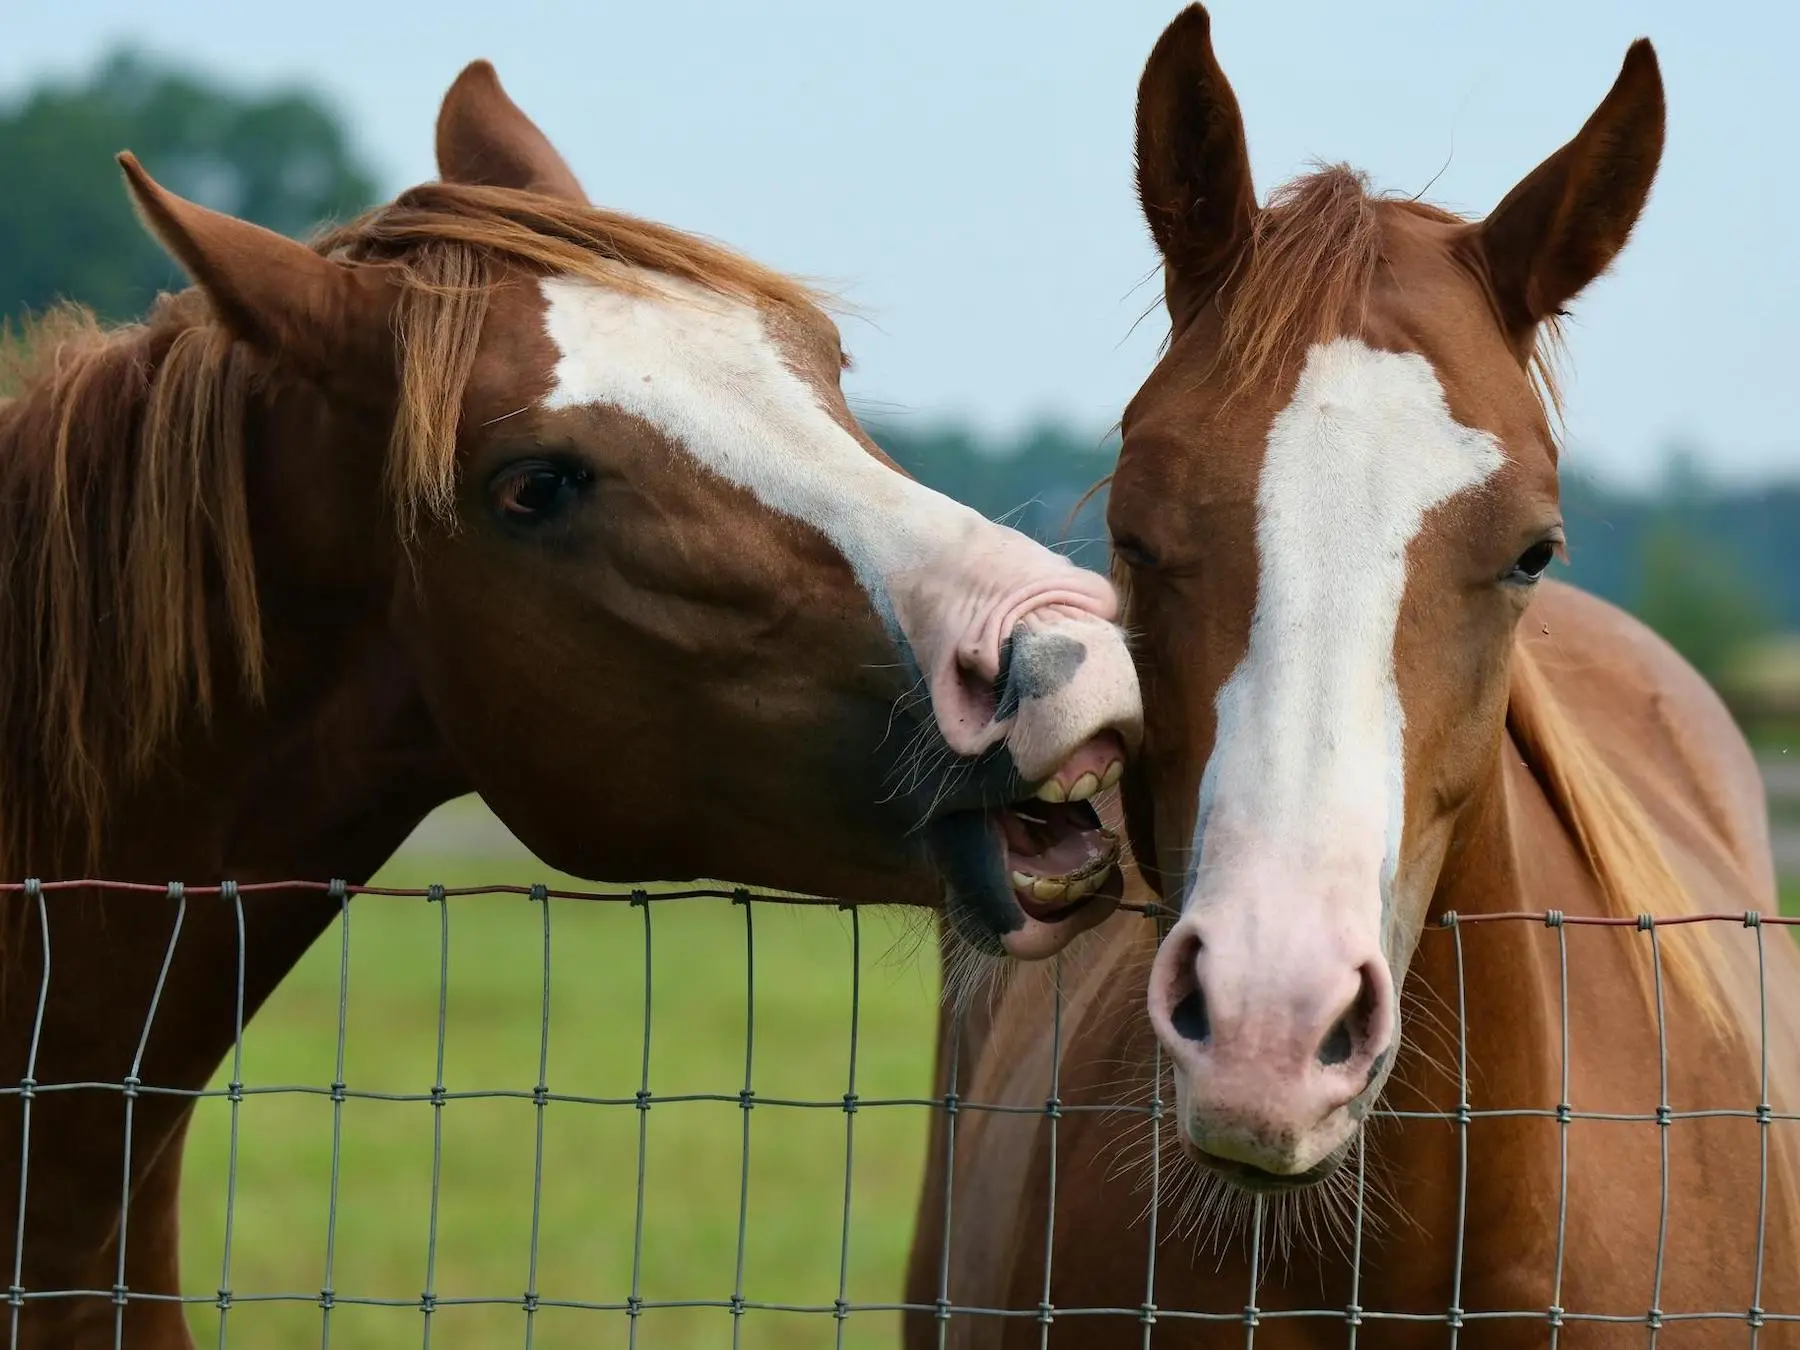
(1276, 1029)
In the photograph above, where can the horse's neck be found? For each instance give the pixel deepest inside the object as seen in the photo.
(327, 771)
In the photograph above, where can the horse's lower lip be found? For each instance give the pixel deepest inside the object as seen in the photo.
(1251, 1178)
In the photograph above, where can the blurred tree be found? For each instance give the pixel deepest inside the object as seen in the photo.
(1692, 592)
(67, 230)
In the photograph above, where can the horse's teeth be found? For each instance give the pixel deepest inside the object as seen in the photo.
(1052, 792)
(1085, 786)
(1114, 772)
(1045, 889)
(1022, 880)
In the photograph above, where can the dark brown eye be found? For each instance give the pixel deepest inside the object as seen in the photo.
(1133, 554)
(1532, 562)
(531, 494)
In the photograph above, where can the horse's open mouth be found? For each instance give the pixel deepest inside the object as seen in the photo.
(1058, 854)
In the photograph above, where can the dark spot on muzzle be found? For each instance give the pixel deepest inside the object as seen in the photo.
(1034, 665)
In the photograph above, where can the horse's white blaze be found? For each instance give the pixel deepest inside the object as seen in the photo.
(703, 369)
(1306, 783)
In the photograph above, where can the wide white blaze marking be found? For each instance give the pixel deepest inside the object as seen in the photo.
(703, 369)
(1307, 776)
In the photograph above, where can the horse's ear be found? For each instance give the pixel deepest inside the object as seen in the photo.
(277, 294)
(1193, 166)
(484, 140)
(1565, 223)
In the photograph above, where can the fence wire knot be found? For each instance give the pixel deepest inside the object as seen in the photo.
(327, 1298)
(1453, 1316)
(1752, 919)
(1554, 1315)
(223, 1301)
(1553, 918)
(15, 1295)
(434, 893)
(540, 892)
(840, 1309)
(1448, 920)
(130, 1085)
(1564, 1113)
(1046, 1313)
(530, 1303)
(746, 1098)
(850, 1102)
(427, 1302)
(1646, 922)
(1147, 1313)
(1754, 1317)
(1353, 1315)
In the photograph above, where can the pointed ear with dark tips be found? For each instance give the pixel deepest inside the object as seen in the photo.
(1565, 223)
(327, 317)
(484, 140)
(1193, 166)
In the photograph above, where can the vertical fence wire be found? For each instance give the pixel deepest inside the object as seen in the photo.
(746, 1100)
(1663, 1121)
(328, 1287)
(540, 1098)
(950, 1106)
(235, 1095)
(1052, 1115)
(428, 1299)
(1752, 920)
(1453, 1314)
(15, 1295)
(634, 1306)
(134, 1081)
(1564, 1111)
(842, 1310)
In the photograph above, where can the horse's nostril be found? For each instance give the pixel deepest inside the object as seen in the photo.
(1189, 1019)
(1006, 697)
(1351, 1029)
(1338, 1044)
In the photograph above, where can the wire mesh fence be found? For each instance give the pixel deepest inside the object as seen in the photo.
(776, 1211)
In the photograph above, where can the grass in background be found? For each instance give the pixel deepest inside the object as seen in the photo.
(692, 1165)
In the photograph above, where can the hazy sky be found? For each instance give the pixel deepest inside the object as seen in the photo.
(961, 169)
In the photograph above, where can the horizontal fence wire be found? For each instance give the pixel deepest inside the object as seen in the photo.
(938, 1113)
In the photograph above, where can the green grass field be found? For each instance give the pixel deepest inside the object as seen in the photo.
(794, 1204)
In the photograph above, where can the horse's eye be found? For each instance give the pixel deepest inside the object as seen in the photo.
(1133, 554)
(537, 492)
(1532, 562)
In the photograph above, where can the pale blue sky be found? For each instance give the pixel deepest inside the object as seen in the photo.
(962, 169)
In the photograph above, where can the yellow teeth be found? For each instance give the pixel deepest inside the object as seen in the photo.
(1052, 792)
(1084, 787)
(1114, 772)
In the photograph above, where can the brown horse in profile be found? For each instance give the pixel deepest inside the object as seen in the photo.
(1365, 712)
(488, 491)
